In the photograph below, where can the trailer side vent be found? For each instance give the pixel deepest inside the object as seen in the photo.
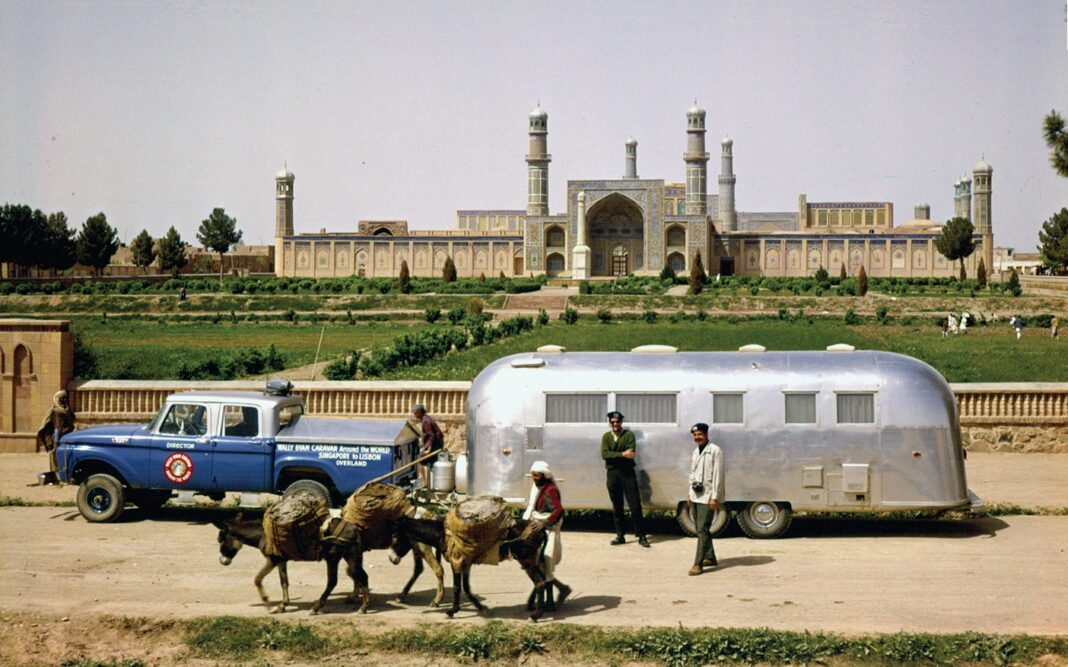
(753, 348)
(840, 347)
(551, 349)
(654, 349)
(528, 362)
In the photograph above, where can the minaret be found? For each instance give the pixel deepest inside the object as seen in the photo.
(580, 255)
(283, 207)
(696, 162)
(538, 164)
(283, 217)
(631, 170)
(962, 202)
(981, 178)
(728, 216)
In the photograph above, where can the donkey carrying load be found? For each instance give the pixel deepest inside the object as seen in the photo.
(480, 530)
(289, 531)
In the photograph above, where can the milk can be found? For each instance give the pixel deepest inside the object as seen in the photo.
(443, 474)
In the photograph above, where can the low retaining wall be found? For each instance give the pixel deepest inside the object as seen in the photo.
(1010, 417)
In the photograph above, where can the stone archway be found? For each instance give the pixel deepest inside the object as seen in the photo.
(612, 223)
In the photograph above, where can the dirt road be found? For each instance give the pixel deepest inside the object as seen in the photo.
(851, 576)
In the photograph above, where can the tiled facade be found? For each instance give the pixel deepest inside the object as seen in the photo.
(638, 226)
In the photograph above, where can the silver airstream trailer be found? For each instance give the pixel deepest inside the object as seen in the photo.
(821, 431)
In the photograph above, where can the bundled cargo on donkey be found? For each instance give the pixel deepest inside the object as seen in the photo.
(375, 510)
(292, 527)
(474, 530)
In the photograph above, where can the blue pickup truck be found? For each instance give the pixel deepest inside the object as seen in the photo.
(213, 442)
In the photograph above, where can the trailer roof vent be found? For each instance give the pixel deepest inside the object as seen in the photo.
(654, 349)
(753, 347)
(528, 362)
(552, 349)
(840, 347)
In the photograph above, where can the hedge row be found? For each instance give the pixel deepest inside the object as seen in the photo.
(350, 285)
(227, 367)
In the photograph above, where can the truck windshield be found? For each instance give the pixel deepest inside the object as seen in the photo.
(288, 413)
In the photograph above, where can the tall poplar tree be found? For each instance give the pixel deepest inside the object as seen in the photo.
(96, 243)
(218, 232)
(172, 252)
(142, 250)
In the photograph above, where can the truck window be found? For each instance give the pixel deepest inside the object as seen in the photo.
(241, 421)
(800, 408)
(288, 414)
(728, 408)
(856, 408)
(575, 408)
(647, 408)
(185, 419)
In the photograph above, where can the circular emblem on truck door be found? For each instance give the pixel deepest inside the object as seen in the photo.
(178, 468)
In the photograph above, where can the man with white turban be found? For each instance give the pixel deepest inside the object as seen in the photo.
(545, 507)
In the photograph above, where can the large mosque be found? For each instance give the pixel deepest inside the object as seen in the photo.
(638, 226)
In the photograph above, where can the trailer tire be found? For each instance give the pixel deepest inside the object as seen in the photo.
(685, 519)
(765, 519)
(101, 498)
(309, 486)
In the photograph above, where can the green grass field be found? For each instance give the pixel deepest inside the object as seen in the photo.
(146, 349)
(986, 354)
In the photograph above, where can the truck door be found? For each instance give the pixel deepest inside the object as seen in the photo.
(181, 449)
(240, 452)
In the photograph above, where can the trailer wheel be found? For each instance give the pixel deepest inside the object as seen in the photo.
(101, 498)
(686, 523)
(309, 486)
(765, 519)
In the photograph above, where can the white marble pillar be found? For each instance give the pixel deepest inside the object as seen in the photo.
(580, 255)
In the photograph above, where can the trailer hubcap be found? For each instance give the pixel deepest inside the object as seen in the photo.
(99, 500)
(764, 513)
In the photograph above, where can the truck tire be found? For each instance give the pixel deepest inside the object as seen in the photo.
(148, 500)
(309, 486)
(685, 520)
(101, 498)
(765, 519)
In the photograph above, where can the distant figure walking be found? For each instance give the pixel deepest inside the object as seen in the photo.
(1054, 324)
(944, 323)
(953, 324)
(1017, 324)
(964, 317)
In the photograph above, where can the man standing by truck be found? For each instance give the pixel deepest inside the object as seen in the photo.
(431, 440)
(618, 448)
(705, 495)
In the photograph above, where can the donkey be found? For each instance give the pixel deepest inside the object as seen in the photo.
(526, 547)
(427, 536)
(239, 532)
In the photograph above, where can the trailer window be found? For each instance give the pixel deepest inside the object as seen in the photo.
(800, 408)
(575, 408)
(856, 408)
(728, 408)
(647, 408)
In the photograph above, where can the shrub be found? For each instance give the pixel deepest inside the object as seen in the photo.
(678, 316)
(431, 315)
(344, 368)
(289, 315)
(649, 316)
(475, 306)
(851, 318)
(456, 315)
(584, 287)
(862, 282)
(668, 274)
(604, 315)
(1014, 284)
(543, 317)
(880, 315)
(23, 288)
(569, 316)
(702, 316)
(754, 290)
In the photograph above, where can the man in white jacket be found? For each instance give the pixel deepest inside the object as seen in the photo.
(706, 494)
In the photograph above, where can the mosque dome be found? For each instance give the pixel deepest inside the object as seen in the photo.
(285, 173)
(727, 141)
(538, 112)
(631, 141)
(983, 166)
(696, 111)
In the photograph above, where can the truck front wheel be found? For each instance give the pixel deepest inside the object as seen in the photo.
(685, 519)
(765, 519)
(309, 486)
(101, 498)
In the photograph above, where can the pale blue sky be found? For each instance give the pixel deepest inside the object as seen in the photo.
(157, 112)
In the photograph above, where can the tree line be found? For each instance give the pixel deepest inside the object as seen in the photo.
(33, 241)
